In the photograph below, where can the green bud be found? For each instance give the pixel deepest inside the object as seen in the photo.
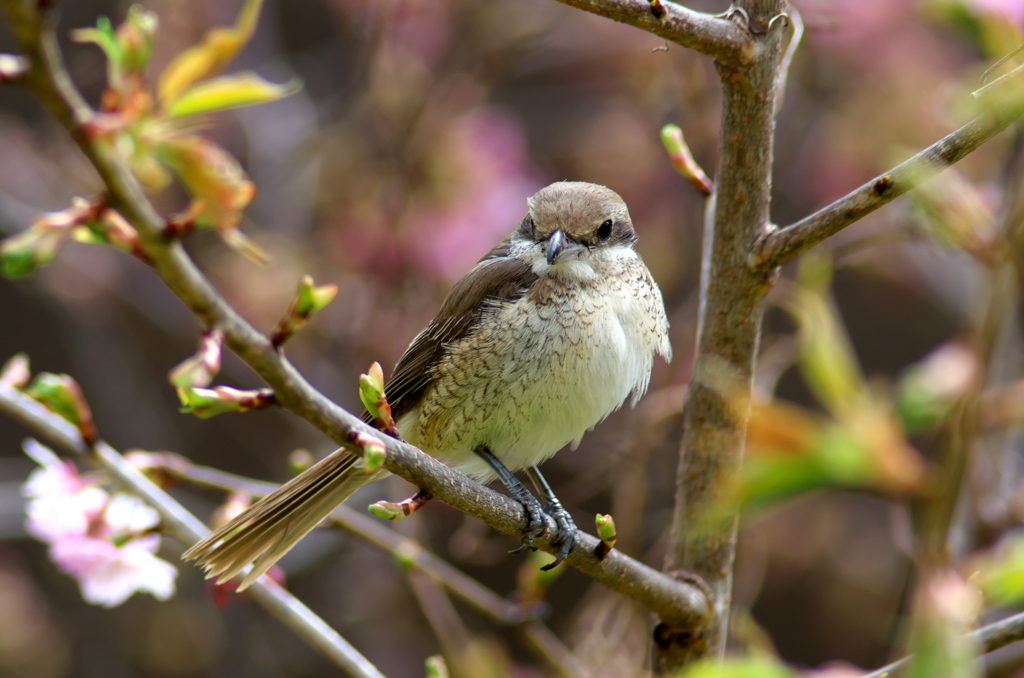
(371, 391)
(299, 461)
(311, 299)
(307, 301)
(436, 667)
(135, 39)
(209, 402)
(387, 510)
(682, 159)
(61, 394)
(200, 369)
(606, 529)
(374, 454)
(407, 553)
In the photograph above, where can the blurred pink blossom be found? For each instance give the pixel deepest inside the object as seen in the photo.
(494, 182)
(99, 539)
(61, 503)
(109, 574)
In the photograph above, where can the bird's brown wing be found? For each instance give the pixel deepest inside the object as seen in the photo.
(497, 277)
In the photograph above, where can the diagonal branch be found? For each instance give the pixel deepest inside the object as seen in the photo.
(187, 528)
(778, 247)
(992, 637)
(679, 603)
(715, 35)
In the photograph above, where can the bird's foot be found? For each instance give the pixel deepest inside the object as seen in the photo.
(565, 535)
(535, 520)
(536, 523)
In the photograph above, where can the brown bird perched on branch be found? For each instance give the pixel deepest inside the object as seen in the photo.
(542, 339)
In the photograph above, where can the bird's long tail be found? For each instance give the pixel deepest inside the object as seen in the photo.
(269, 528)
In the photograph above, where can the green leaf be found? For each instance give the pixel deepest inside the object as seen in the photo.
(229, 91)
(62, 395)
(219, 46)
(17, 264)
(21, 254)
(1000, 574)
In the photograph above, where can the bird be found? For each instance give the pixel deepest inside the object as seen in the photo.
(544, 337)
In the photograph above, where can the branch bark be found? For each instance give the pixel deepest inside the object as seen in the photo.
(715, 35)
(703, 537)
(678, 603)
(778, 247)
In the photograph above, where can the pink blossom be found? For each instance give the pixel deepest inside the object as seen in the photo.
(60, 502)
(103, 541)
(494, 174)
(109, 574)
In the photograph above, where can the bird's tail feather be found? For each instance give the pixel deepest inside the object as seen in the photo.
(269, 528)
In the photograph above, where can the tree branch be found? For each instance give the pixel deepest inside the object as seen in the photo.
(778, 247)
(186, 528)
(678, 603)
(715, 35)
(991, 637)
(703, 537)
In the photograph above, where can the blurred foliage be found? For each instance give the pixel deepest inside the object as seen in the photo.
(420, 129)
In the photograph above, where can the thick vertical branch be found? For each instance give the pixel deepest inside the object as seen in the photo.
(703, 538)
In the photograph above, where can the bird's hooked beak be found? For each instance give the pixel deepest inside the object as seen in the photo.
(560, 247)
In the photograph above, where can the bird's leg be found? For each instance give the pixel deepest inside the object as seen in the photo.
(566, 527)
(535, 520)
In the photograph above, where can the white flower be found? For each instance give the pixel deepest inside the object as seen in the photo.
(126, 513)
(108, 575)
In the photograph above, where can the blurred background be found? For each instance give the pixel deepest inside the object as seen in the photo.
(421, 128)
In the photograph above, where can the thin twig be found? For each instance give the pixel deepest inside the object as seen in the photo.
(991, 637)
(714, 35)
(185, 527)
(778, 247)
(794, 18)
(678, 603)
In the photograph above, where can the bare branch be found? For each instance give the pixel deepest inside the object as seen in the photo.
(678, 603)
(992, 637)
(715, 35)
(186, 528)
(776, 248)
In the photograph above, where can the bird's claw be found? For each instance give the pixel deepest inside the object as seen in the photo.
(565, 535)
(536, 523)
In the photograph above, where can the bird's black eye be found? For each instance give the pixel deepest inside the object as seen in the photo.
(604, 231)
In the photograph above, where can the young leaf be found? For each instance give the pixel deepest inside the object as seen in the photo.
(229, 91)
(202, 61)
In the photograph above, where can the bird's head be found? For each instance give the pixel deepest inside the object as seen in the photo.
(571, 221)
